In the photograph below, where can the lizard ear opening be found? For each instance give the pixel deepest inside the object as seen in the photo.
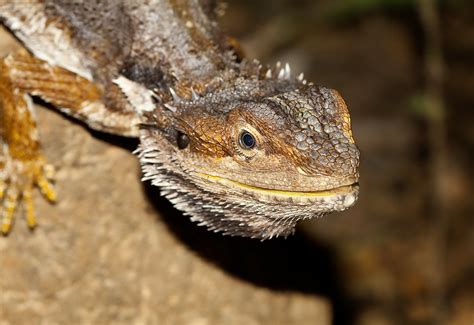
(182, 140)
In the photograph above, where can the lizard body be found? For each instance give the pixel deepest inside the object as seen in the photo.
(242, 149)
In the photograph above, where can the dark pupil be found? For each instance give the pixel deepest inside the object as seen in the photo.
(247, 140)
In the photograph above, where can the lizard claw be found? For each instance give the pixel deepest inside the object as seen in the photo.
(17, 180)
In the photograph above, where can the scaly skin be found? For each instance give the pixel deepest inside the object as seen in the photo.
(21, 164)
(242, 149)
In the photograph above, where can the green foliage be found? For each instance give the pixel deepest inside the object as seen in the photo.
(426, 107)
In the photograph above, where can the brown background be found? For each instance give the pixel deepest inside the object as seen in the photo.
(111, 252)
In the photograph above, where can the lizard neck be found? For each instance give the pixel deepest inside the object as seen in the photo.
(180, 46)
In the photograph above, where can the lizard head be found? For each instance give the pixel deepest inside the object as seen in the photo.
(253, 158)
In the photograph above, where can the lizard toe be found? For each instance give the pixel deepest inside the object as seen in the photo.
(9, 206)
(18, 187)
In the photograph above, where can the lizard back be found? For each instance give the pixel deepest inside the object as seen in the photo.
(154, 42)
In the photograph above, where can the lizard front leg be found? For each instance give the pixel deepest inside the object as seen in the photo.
(22, 166)
(100, 105)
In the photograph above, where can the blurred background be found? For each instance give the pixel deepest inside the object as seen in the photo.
(112, 251)
(405, 253)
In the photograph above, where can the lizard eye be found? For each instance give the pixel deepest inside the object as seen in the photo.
(182, 140)
(247, 140)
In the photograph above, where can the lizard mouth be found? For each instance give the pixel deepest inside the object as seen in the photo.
(347, 193)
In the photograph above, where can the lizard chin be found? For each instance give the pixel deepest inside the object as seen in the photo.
(344, 196)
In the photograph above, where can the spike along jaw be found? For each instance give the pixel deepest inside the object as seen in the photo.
(254, 157)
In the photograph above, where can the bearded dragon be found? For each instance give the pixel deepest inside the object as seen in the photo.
(241, 148)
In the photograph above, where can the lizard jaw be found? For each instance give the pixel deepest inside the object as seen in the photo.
(225, 206)
(346, 195)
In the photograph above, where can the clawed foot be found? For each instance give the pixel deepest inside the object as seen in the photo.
(17, 180)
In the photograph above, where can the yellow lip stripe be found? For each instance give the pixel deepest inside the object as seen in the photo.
(338, 190)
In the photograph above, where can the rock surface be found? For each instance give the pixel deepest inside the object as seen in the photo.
(111, 252)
